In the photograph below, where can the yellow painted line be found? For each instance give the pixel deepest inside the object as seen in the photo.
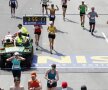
(100, 59)
(45, 59)
(81, 59)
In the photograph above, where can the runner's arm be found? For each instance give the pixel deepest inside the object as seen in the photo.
(88, 15)
(21, 58)
(57, 77)
(40, 1)
(9, 59)
(48, 29)
(55, 30)
(96, 15)
(86, 8)
(57, 8)
(29, 86)
(46, 75)
(9, 3)
(79, 7)
(16, 4)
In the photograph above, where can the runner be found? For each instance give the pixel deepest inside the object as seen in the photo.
(52, 77)
(51, 29)
(34, 84)
(64, 7)
(91, 15)
(83, 9)
(13, 4)
(52, 12)
(17, 85)
(37, 32)
(16, 68)
(44, 6)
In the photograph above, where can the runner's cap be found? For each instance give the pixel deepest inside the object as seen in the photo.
(50, 22)
(16, 53)
(64, 84)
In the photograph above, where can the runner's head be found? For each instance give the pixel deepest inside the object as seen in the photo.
(16, 81)
(92, 8)
(19, 26)
(83, 2)
(33, 76)
(64, 85)
(83, 87)
(53, 66)
(52, 5)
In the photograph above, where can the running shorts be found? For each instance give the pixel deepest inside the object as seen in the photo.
(51, 36)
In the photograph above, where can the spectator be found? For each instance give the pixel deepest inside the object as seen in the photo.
(52, 77)
(17, 85)
(34, 84)
(83, 87)
(16, 68)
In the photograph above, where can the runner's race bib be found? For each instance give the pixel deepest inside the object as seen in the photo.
(16, 66)
(52, 16)
(93, 18)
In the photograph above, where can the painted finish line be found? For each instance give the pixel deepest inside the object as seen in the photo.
(72, 61)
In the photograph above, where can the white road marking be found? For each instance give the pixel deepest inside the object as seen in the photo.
(105, 37)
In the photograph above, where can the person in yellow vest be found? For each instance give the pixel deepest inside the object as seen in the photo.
(21, 40)
(23, 30)
(52, 30)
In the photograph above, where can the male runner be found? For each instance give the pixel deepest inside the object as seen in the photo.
(52, 12)
(83, 9)
(13, 4)
(91, 15)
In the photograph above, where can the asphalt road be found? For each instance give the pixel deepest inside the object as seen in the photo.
(71, 40)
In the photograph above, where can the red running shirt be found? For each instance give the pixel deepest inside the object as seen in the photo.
(37, 28)
(34, 84)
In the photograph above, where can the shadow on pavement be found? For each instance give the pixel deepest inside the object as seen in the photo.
(69, 88)
(58, 54)
(98, 36)
(68, 20)
(18, 17)
(59, 31)
(88, 30)
(44, 50)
